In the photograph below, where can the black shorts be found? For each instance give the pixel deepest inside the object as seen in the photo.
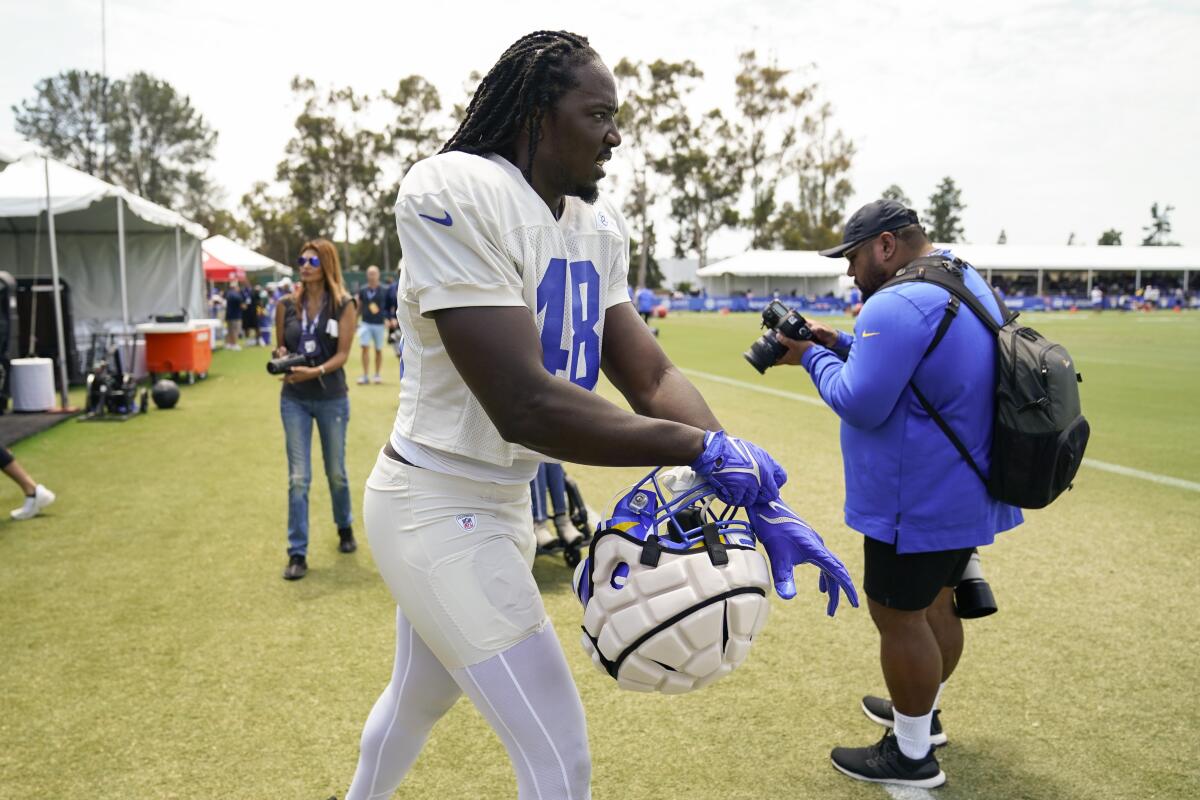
(6, 457)
(909, 582)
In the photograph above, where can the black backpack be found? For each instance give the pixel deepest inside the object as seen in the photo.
(1039, 434)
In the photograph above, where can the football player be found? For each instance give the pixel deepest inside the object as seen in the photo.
(511, 301)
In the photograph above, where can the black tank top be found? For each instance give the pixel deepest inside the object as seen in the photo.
(332, 384)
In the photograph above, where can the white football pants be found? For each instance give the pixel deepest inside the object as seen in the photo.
(456, 555)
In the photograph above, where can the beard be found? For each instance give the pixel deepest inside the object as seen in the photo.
(588, 193)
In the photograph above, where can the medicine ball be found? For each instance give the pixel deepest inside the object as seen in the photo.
(660, 311)
(165, 393)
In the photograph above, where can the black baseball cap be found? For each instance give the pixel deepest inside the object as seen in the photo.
(871, 220)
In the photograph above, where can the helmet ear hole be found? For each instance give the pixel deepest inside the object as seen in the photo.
(620, 575)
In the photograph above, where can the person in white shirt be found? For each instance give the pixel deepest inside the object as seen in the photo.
(511, 300)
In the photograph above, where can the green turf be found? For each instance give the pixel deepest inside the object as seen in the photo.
(150, 649)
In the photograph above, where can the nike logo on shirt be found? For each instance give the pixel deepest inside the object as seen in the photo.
(446, 220)
(870, 333)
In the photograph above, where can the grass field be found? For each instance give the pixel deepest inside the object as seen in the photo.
(151, 650)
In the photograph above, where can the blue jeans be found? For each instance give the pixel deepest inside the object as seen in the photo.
(549, 477)
(332, 416)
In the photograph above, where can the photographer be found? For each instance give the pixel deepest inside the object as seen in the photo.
(918, 503)
(317, 322)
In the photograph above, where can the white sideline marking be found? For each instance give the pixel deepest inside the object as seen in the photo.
(907, 792)
(1117, 469)
(1129, 472)
(754, 387)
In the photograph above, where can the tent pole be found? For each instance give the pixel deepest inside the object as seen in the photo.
(1089, 282)
(121, 260)
(58, 316)
(179, 269)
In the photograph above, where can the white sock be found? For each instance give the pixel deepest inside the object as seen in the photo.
(937, 699)
(912, 733)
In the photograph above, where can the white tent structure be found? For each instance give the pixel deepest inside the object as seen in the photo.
(124, 257)
(232, 254)
(766, 271)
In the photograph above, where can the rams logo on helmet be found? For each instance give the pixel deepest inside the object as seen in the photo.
(674, 590)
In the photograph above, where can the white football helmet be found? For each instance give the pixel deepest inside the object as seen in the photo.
(674, 590)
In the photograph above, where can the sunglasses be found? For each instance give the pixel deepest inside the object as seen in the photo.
(311, 261)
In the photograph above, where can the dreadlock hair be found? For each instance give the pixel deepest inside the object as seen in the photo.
(530, 77)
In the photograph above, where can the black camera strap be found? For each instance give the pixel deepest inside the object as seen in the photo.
(948, 276)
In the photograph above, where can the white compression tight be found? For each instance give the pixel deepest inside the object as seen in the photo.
(526, 693)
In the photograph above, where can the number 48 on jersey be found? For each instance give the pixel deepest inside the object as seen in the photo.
(581, 363)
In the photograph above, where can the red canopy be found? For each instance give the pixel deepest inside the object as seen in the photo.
(215, 270)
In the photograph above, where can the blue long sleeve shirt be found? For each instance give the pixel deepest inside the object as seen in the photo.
(905, 482)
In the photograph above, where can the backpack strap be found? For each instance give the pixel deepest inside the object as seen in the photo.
(948, 275)
(945, 428)
(944, 325)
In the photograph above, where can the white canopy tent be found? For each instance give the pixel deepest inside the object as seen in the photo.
(122, 267)
(769, 270)
(765, 271)
(233, 254)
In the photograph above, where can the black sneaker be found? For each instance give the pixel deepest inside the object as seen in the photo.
(346, 543)
(884, 763)
(879, 710)
(296, 569)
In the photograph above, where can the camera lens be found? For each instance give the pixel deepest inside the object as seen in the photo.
(764, 352)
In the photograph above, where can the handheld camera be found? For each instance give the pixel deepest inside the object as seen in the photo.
(777, 318)
(285, 364)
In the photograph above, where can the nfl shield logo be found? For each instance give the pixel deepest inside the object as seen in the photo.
(466, 522)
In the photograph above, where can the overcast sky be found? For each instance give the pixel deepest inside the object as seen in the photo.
(1053, 117)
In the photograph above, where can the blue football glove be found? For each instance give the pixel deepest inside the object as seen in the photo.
(741, 473)
(790, 541)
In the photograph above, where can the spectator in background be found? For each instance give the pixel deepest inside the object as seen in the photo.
(392, 324)
(250, 314)
(1097, 298)
(37, 496)
(645, 302)
(372, 330)
(316, 321)
(234, 300)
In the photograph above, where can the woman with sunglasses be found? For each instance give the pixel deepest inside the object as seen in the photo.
(318, 322)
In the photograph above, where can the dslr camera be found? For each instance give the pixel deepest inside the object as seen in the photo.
(285, 364)
(777, 318)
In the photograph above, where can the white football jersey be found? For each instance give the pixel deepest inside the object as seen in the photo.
(475, 233)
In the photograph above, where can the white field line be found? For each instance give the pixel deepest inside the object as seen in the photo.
(907, 792)
(1117, 469)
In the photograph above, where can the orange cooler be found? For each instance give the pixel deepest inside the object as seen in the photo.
(177, 347)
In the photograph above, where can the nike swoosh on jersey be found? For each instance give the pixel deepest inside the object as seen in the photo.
(870, 333)
(446, 220)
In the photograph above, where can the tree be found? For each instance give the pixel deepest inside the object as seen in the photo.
(67, 116)
(652, 103)
(275, 230)
(821, 170)
(331, 164)
(768, 109)
(1110, 237)
(706, 171)
(943, 218)
(1002, 238)
(1159, 227)
(415, 133)
(894, 192)
(158, 145)
(160, 142)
